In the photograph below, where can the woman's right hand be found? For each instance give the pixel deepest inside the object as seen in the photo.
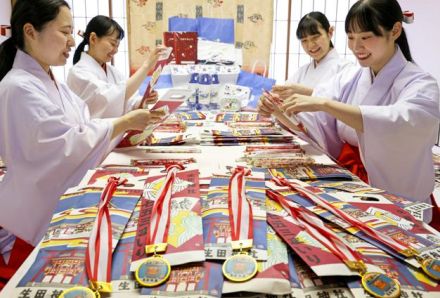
(285, 91)
(136, 120)
(141, 118)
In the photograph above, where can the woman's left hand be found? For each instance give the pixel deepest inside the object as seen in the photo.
(302, 103)
(153, 58)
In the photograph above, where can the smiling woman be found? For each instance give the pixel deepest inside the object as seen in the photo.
(380, 121)
(101, 85)
(49, 141)
(315, 33)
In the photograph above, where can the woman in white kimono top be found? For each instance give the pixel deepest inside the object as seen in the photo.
(389, 109)
(48, 141)
(101, 85)
(315, 33)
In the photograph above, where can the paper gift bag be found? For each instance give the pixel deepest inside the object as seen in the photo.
(176, 24)
(184, 46)
(217, 29)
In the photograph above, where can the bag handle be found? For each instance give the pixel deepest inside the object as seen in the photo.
(255, 64)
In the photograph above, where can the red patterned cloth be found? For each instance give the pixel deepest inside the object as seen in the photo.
(20, 251)
(350, 159)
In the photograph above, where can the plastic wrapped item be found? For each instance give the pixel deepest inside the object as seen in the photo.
(233, 97)
(181, 74)
(204, 91)
(193, 86)
(215, 88)
(227, 74)
(211, 52)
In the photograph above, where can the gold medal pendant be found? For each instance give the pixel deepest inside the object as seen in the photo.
(380, 285)
(80, 291)
(240, 267)
(153, 271)
(432, 268)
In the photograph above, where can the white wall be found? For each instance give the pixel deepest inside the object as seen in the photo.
(423, 34)
(5, 14)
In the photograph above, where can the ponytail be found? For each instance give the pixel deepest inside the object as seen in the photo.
(8, 50)
(79, 50)
(402, 41)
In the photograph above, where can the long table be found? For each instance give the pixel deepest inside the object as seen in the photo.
(209, 160)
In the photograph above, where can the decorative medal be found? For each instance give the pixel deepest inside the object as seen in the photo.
(99, 249)
(381, 286)
(432, 268)
(82, 292)
(375, 283)
(153, 271)
(240, 267)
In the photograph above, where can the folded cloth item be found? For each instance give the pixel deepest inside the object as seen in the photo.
(218, 53)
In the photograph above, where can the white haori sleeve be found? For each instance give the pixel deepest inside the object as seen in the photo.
(105, 98)
(397, 140)
(322, 127)
(52, 147)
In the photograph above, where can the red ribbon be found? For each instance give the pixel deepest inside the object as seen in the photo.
(160, 215)
(99, 248)
(316, 228)
(312, 193)
(240, 208)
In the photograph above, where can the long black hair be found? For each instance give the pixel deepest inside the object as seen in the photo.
(36, 12)
(102, 26)
(310, 23)
(375, 16)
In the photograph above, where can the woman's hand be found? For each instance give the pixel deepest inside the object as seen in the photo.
(302, 103)
(153, 58)
(152, 98)
(285, 91)
(134, 82)
(139, 119)
(349, 114)
(136, 120)
(265, 106)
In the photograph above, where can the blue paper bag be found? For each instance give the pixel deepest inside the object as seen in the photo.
(257, 83)
(177, 24)
(215, 29)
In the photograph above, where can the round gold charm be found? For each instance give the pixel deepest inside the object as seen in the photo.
(432, 268)
(79, 291)
(380, 285)
(153, 271)
(239, 268)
